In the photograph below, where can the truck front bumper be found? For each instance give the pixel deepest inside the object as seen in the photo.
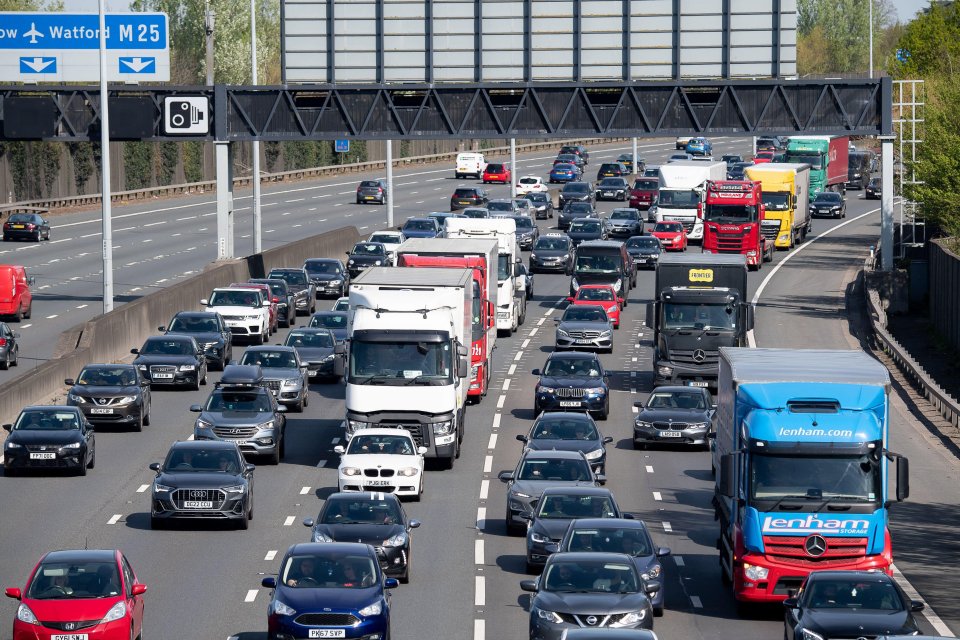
(672, 373)
(772, 581)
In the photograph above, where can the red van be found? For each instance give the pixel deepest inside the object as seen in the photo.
(16, 301)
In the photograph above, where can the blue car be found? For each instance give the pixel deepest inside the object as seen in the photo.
(699, 147)
(329, 590)
(564, 172)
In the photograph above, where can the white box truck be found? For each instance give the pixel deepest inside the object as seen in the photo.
(511, 285)
(682, 187)
(408, 359)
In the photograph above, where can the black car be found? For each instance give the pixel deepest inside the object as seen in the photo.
(588, 590)
(829, 204)
(535, 472)
(612, 170)
(574, 210)
(567, 431)
(873, 190)
(468, 197)
(372, 191)
(111, 394)
(627, 536)
(377, 519)
(575, 192)
(317, 349)
(328, 275)
(770, 144)
(335, 321)
(527, 232)
(202, 479)
(209, 330)
(366, 254)
(300, 285)
(737, 170)
(542, 204)
(645, 250)
(572, 381)
(613, 189)
(674, 415)
(26, 226)
(557, 507)
(242, 410)
(283, 297)
(731, 158)
(49, 437)
(624, 221)
(585, 326)
(584, 229)
(578, 150)
(551, 252)
(626, 159)
(172, 360)
(9, 346)
(571, 158)
(849, 604)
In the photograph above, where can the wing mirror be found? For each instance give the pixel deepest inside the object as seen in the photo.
(504, 476)
(521, 437)
(138, 589)
(422, 450)
(69, 382)
(528, 585)
(154, 466)
(339, 449)
(269, 582)
(791, 603)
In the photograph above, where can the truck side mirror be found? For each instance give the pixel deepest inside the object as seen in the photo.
(903, 479)
(463, 367)
(749, 311)
(728, 475)
(339, 367)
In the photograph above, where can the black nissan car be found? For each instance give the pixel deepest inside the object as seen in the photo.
(111, 394)
(210, 332)
(202, 479)
(172, 360)
(376, 518)
(49, 437)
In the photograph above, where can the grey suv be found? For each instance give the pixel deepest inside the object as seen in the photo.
(284, 373)
(576, 192)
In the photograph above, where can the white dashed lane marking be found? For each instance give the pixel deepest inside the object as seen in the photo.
(270, 555)
(115, 518)
(251, 595)
(478, 553)
(304, 491)
(142, 488)
(289, 521)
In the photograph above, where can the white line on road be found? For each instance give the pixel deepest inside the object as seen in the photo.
(518, 356)
(533, 332)
(304, 491)
(938, 624)
(668, 527)
(512, 370)
(506, 384)
(493, 441)
(481, 517)
(26, 326)
(657, 496)
(649, 468)
(695, 600)
(52, 316)
(549, 311)
(154, 224)
(478, 552)
(525, 343)
(321, 464)
(479, 630)
(488, 464)
(289, 520)
(500, 401)
(679, 561)
(251, 595)
(81, 306)
(496, 421)
(142, 488)
(270, 555)
(114, 518)
(541, 321)
(480, 597)
(484, 489)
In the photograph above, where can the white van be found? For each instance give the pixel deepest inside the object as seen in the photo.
(470, 164)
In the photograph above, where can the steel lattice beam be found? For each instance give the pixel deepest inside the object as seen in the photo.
(531, 110)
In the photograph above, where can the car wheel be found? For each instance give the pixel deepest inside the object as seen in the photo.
(9, 472)
(138, 425)
(605, 412)
(639, 446)
(298, 407)
(16, 358)
(36, 238)
(18, 316)
(196, 382)
(405, 578)
(29, 312)
(243, 523)
(513, 529)
(306, 398)
(204, 380)
(6, 362)
(146, 417)
(93, 459)
(82, 469)
(274, 458)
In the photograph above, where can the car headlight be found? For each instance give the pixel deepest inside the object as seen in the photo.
(547, 390)
(642, 425)
(606, 333)
(549, 616)
(408, 472)
(142, 367)
(161, 488)
(269, 424)
(116, 612)
(561, 332)
(335, 283)
(805, 634)
(566, 256)
(753, 572)
(321, 537)
(630, 619)
(653, 572)
(396, 541)
(534, 256)
(442, 428)
(696, 426)
(539, 538)
(350, 261)
(665, 370)
(237, 488)
(372, 609)
(282, 609)
(75, 398)
(350, 471)
(188, 367)
(378, 262)
(595, 390)
(204, 424)
(72, 445)
(25, 615)
(328, 358)
(13, 445)
(594, 455)
(125, 400)
(520, 494)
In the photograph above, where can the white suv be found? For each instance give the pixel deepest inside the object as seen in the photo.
(244, 311)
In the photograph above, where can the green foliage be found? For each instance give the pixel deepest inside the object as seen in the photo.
(299, 155)
(833, 35)
(192, 161)
(271, 153)
(933, 41)
(167, 162)
(34, 166)
(83, 164)
(138, 165)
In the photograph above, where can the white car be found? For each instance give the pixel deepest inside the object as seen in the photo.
(382, 459)
(391, 240)
(531, 184)
(682, 141)
(245, 312)
(342, 304)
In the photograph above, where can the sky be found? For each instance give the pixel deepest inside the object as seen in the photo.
(906, 9)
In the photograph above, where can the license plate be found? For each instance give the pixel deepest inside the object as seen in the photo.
(640, 260)
(327, 633)
(584, 341)
(697, 383)
(464, 202)
(569, 403)
(43, 456)
(162, 376)
(17, 226)
(368, 197)
(197, 504)
(378, 483)
(101, 410)
(607, 193)
(69, 636)
(668, 434)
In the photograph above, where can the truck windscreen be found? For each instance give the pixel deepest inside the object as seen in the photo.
(730, 213)
(678, 199)
(503, 267)
(813, 479)
(776, 201)
(400, 363)
(699, 316)
(813, 161)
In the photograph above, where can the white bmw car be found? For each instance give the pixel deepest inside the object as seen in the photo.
(385, 460)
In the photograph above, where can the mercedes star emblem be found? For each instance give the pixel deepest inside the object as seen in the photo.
(815, 545)
(591, 620)
(699, 355)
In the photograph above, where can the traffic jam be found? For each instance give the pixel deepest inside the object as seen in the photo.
(417, 331)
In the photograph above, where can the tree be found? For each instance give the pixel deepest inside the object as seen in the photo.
(833, 35)
(931, 42)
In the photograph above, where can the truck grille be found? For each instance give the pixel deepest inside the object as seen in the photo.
(567, 392)
(686, 356)
(235, 433)
(215, 496)
(730, 242)
(327, 619)
(791, 549)
(415, 429)
(378, 473)
(770, 231)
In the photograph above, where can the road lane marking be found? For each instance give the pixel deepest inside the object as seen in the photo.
(541, 321)
(478, 552)
(533, 332)
(289, 521)
(506, 385)
(481, 517)
(518, 356)
(304, 491)
(479, 630)
(496, 421)
(81, 306)
(484, 489)
(512, 370)
(500, 401)
(493, 441)
(480, 598)
(142, 488)
(114, 518)
(649, 469)
(938, 624)
(679, 561)
(270, 555)
(696, 602)
(251, 595)
(549, 311)
(52, 316)
(321, 464)
(26, 326)
(657, 496)
(525, 344)
(488, 464)
(668, 527)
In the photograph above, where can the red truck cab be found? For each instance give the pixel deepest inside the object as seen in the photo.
(731, 221)
(16, 301)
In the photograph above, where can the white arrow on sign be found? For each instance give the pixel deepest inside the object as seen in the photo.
(138, 64)
(38, 64)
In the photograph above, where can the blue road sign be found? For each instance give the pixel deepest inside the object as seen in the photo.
(342, 146)
(141, 64)
(903, 55)
(38, 64)
(61, 31)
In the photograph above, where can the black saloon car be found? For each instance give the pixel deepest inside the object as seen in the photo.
(300, 285)
(281, 295)
(335, 321)
(49, 437)
(572, 381)
(873, 190)
(317, 349)
(202, 479)
(557, 507)
(209, 330)
(574, 210)
(468, 197)
(26, 226)
(551, 252)
(645, 250)
(377, 519)
(849, 604)
(328, 275)
(613, 189)
(828, 204)
(364, 255)
(541, 203)
(172, 360)
(111, 394)
(576, 192)
(674, 415)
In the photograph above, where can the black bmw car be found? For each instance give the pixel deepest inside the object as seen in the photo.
(366, 254)
(572, 381)
(210, 332)
(568, 431)
(329, 276)
(377, 519)
(111, 394)
(175, 360)
(202, 479)
(49, 437)
(674, 415)
(316, 347)
(828, 204)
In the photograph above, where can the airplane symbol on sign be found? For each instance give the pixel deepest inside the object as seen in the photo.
(33, 34)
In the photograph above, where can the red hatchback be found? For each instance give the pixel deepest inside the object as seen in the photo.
(496, 172)
(763, 156)
(601, 294)
(672, 235)
(83, 595)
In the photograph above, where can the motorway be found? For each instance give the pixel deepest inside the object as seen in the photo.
(204, 581)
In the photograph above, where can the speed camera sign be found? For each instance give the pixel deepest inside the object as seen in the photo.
(186, 115)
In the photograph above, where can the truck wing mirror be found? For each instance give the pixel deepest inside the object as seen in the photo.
(463, 367)
(749, 314)
(728, 475)
(339, 367)
(903, 478)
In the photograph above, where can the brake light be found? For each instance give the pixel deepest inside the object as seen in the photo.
(3, 342)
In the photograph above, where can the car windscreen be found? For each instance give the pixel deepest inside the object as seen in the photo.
(572, 368)
(643, 243)
(593, 294)
(304, 339)
(23, 218)
(576, 187)
(537, 197)
(239, 401)
(853, 593)
(161, 347)
(494, 168)
(562, 470)
(385, 238)
(322, 267)
(677, 400)
(367, 249)
(600, 263)
(624, 214)
(328, 570)
(247, 298)
(75, 580)
(359, 510)
(584, 313)
(370, 183)
(632, 542)
(523, 222)
(829, 197)
(385, 444)
(552, 244)
(197, 460)
(529, 180)
(565, 429)
(420, 225)
(667, 227)
(563, 166)
(465, 193)
(193, 325)
(500, 206)
(576, 506)
(290, 277)
(270, 359)
(579, 207)
(585, 226)
(107, 377)
(646, 185)
(612, 183)
(47, 420)
(329, 320)
(589, 577)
